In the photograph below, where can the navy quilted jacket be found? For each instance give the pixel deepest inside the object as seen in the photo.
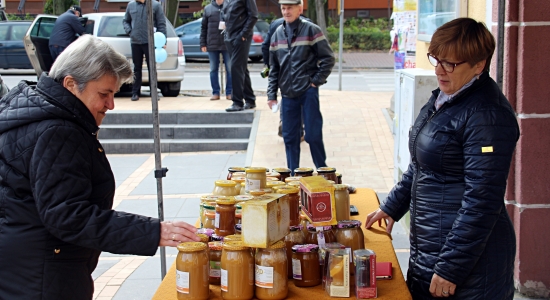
(454, 189)
(56, 194)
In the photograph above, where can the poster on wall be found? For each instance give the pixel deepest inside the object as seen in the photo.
(404, 32)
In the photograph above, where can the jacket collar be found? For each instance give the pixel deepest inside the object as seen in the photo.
(476, 85)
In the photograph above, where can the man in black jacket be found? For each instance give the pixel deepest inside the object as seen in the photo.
(299, 42)
(212, 42)
(240, 16)
(65, 31)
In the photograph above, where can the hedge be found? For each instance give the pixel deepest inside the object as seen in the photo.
(360, 38)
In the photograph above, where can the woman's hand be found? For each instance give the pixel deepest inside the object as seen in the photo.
(378, 215)
(441, 287)
(173, 233)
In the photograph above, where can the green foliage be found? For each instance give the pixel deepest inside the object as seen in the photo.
(361, 34)
(270, 17)
(48, 6)
(16, 17)
(198, 14)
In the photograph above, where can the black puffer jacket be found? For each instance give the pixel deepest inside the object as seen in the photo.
(240, 16)
(56, 194)
(211, 36)
(454, 189)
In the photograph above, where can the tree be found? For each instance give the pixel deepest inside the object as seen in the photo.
(321, 17)
(57, 7)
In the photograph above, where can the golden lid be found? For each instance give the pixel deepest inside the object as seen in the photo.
(281, 170)
(215, 246)
(271, 184)
(234, 246)
(272, 174)
(238, 174)
(277, 245)
(226, 201)
(271, 179)
(303, 170)
(257, 192)
(326, 170)
(204, 237)
(295, 184)
(243, 198)
(292, 178)
(191, 246)
(209, 198)
(238, 179)
(229, 183)
(287, 190)
(233, 238)
(256, 170)
(340, 187)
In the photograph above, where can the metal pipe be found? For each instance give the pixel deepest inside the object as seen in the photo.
(500, 42)
(341, 45)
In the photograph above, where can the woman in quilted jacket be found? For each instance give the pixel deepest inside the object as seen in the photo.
(56, 185)
(462, 239)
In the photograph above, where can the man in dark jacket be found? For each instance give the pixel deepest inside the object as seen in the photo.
(56, 184)
(299, 43)
(135, 24)
(212, 42)
(65, 31)
(239, 18)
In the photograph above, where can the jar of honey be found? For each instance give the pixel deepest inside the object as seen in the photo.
(349, 234)
(341, 199)
(293, 178)
(293, 203)
(304, 222)
(192, 271)
(225, 216)
(321, 237)
(232, 171)
(208, 200)
(239, 187)
(283, 172)
(258, 192)
(237, 272)
(271, 272)
(274, 184)
(305, 265)
(328, 172)
(225, 188)
(215, 254)
(273, 174)
(204, 238)
(294, 237)
(255, 178)
(303, 172)
(232, 238)
(209, 216)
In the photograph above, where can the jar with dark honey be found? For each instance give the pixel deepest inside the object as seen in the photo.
(233, 170)
(225, 216)
(283, 172)
(328, 172)
(303, 172)
(294, 237)
(305, 265)
(293, 203)
(320, 237)
(215, 254)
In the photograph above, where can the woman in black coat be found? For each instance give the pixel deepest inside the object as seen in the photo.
(462, 239)
(56, 185)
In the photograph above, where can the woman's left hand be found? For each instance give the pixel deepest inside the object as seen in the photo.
(441, 287)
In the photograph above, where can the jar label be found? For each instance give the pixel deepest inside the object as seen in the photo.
(264, 277)
(215, 269)
(296, 269)
(252, 184)
(217, 221)
(182, 282)
(223, 282)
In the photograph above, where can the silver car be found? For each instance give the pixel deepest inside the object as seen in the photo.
(108, 27)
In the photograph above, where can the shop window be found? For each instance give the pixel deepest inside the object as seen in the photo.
(434, 13)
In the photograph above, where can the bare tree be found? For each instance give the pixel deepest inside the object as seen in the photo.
(320, 8)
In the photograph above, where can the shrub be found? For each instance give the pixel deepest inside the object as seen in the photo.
(360, 38)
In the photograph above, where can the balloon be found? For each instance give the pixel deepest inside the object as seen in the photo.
(160, 40)
(160, 55)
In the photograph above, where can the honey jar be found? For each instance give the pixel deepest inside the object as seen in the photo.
(349, 234)
(232, 238)
(293, 203)
(293, 178)
(258, 192)
(237, 272)
(255, 178)
(274, 184)
(304, 222)
(303, 172)
(232, 171)
(294, 237)
(283, 173)
(341, 199)
(273, 174)
(239, 187)
(208, 200)
(225, 216)
(305, 265)
(204, 238)
(192, 271)
(271, 272)
(328, 172)
(225, 188)
(209, 216)
(215, 255)
(321, 237)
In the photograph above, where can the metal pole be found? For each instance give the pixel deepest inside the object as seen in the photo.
(159, 171)
(500, 41)
(221, 75)
(341, 45)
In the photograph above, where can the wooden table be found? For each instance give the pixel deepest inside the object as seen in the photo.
(375, 239)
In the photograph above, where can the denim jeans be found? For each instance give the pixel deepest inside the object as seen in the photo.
(295, 110)
(214, 57)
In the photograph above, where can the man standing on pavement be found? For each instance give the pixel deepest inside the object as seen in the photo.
(212, 42)
(65, 31)
(135, 24)
(299, 42)
(240, 16)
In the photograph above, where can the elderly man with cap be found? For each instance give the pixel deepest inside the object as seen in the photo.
(66, 30)
(298, 42)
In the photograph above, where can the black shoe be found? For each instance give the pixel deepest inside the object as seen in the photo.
(135, 97)
(234, 107)
(249, 106)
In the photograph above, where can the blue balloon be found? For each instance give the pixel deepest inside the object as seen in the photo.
(160, 40)
(160, 55)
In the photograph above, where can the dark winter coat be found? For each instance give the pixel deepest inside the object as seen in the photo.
(135, 21)
(240, 16)
(56, 194)
(211, 36)
(454, 188)
(65, 29)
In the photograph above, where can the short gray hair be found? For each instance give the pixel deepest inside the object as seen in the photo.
(88, 59)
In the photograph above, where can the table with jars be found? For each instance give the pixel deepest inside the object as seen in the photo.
(221, 266)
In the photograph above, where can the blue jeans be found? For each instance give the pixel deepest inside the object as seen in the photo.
(214, 57)
(295, 110)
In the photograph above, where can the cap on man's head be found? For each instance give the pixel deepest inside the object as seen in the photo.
(296, 2)
(77, 8)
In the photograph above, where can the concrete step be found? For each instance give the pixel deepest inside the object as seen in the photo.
(177, 131)
(179, 117)
(125, 146)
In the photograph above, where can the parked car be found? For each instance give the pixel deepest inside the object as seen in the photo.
(189, 34)
(108, 27)
(12, 50)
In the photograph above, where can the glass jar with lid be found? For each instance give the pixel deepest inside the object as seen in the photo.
(273, 174)
(339, 176)
(209, 216)
(215, 254)
(232, 238)
(239, 187)
(293, 203)
(232, 171)
(274, 184)
(328, 172)
(258, 192)
(255, 178)
(290, 179)
(209, 200)
(303, 172)
(225, 216)
(349, 234)
(192, 271)
(321, 237)
(225, 188)
(271, 272)
(204, 238)
(305, 265)
(237, 271)
(294, 237)
(341, 200)
(283, 172)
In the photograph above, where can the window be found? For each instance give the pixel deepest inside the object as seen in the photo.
(192, 28)
(4, 32)
(434, 13)
(43, 27)
(18, 31)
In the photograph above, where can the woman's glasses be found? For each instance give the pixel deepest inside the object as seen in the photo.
(447, 66)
